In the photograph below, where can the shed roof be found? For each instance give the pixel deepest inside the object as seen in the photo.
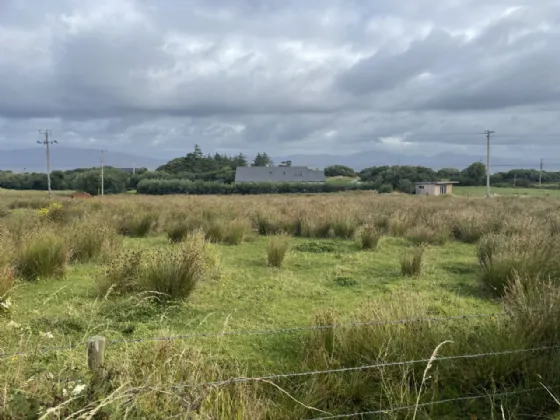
(278, 174)
(436, 182)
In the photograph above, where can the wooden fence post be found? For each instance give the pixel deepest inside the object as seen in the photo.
(96, 352)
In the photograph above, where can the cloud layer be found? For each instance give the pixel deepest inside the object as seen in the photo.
(323, 76)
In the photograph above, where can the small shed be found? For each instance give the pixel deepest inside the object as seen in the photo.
(435, 187)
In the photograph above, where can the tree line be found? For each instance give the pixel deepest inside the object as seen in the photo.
(196, 169)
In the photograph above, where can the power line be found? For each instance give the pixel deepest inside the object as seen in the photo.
(488, 134)
(47, 144)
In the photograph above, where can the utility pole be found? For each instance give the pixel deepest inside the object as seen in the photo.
(540, 173)
(488, 134)
(102, 158)
(47, 142)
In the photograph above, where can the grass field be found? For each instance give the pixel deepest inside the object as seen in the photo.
(85, 268)
(504, 191)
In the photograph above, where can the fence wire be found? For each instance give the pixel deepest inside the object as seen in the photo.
(363, 367)
(410, 407)
(262, 332)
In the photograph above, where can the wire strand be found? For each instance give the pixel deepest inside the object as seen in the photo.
(265, 331)
(409, 407)
(365, 367)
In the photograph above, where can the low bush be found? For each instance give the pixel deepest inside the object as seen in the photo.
(368, 237)
(41, 255)
(411, 263)
(277, 250)
(181, 186)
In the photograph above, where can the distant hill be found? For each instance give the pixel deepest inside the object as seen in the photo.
(64, 158)
(363, 160)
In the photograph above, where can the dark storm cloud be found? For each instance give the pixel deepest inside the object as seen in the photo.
(316, 76)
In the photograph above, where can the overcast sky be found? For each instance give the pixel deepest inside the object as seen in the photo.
(154, 77)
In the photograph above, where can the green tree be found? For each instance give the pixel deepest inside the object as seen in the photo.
(475, 174)
(262, 159)
(339, 170)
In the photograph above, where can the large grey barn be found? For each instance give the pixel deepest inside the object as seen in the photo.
(278, 174)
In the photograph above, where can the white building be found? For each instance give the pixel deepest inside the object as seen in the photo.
(435, 188)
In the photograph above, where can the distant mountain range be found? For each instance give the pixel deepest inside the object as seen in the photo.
(62, 159)
(360, 161)
(33, 160)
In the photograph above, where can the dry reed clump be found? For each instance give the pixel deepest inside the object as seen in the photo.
(121, 274)
(531, 255)
(277, 251)
(42, 254)
(177, 231)
(236, 232)
(169, 274)
(368, 237)
(428, 235)
(89, 240)
(136, 225)
(173, 274)
(412, 262)
(265, 224)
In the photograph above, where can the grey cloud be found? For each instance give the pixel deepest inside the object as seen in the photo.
(336, 76)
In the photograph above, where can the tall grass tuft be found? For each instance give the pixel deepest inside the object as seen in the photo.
(6, 286)
(430, 235)
(411, 263)
(170, 273)
(174, 273)
(215, 230)
(528, 256)
(42, 255)
(178, 231)
(90, 240)
(277, 250)
(344, 228)
(136, 225)
(265, 224)
(121, 274)
(236, 232)
(368, 237)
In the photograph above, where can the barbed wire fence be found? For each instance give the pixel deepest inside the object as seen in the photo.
(96, 353)
(288, 330)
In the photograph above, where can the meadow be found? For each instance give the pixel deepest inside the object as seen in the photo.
(280, 307)
(507, 191)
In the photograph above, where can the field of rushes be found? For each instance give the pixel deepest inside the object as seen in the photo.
(515, 241)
